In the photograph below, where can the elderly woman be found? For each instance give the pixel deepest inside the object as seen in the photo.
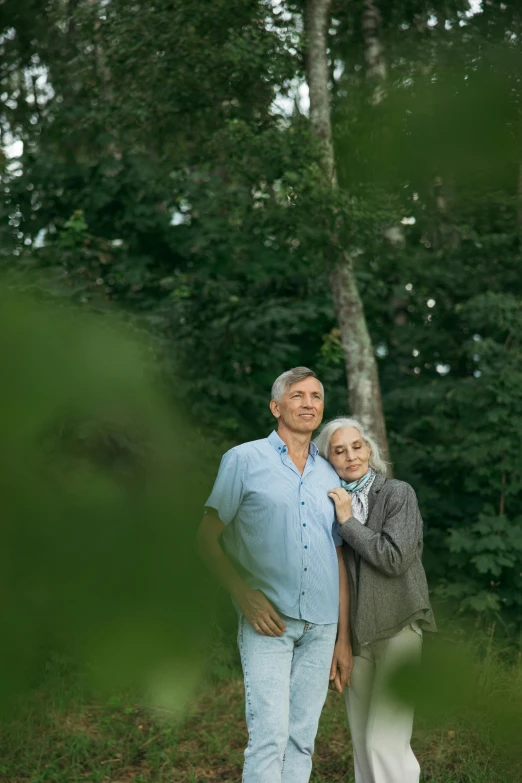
(381, 526)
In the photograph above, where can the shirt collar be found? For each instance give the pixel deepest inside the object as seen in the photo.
(280, 446)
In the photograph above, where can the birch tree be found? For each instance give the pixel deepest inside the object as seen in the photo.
(374, 50)
(364, 394)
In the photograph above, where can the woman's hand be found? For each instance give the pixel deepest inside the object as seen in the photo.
(343, 504)
(342, 665)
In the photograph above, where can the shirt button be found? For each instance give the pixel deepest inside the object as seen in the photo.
(302, 502)
(306, 547)
(306, 569)
(304, 524)
(302, 593)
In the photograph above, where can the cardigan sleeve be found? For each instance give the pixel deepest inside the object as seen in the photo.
(392, 549)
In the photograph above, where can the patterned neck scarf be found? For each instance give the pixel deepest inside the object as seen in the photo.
(359, 491)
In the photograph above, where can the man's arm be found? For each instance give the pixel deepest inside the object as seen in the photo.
(255, 606)
(342, 661)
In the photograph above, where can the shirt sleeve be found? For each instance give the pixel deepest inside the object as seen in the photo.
(227, 493)
(335, 534)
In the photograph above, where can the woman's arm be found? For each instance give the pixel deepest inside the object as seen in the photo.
(342, 661)
(393, 549)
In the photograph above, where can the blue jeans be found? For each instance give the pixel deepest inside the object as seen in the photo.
(286, 682)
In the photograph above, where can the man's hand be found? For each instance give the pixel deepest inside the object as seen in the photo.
(342, 665)
(260, 613)
(343, 504)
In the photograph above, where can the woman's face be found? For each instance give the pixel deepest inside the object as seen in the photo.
(349, 454)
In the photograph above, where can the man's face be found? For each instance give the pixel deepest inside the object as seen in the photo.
(301, 407)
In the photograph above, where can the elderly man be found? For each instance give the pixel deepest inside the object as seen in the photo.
(270, 535)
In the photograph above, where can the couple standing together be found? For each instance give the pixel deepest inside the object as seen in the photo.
(321, 554)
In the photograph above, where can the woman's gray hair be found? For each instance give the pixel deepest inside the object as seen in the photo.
(290, 377)
(322, 441)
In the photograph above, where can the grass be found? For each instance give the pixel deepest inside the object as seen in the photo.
(126, 743)
(65, 736)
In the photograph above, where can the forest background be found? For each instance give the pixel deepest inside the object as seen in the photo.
(160, 159)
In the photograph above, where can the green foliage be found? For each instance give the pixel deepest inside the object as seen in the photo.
(462, 445)
(101, 494)
(158, 177)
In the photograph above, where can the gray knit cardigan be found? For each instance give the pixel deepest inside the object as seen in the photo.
(388, 588)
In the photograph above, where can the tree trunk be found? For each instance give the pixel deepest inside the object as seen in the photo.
(103, 73)
(376, 72)
(445, 233)
(374, 50)
(71, 22)
(519, 203)
(316, 18)
(364, 395)
(364, 391)
(102, 68)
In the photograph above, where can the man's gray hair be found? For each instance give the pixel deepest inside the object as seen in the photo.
(290, 377)
(322, 441)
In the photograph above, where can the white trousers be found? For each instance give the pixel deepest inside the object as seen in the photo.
(380, 724)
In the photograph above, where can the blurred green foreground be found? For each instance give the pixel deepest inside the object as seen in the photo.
(101, 493)
(108, 668)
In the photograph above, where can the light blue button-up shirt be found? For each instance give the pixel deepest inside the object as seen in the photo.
(281, 530)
